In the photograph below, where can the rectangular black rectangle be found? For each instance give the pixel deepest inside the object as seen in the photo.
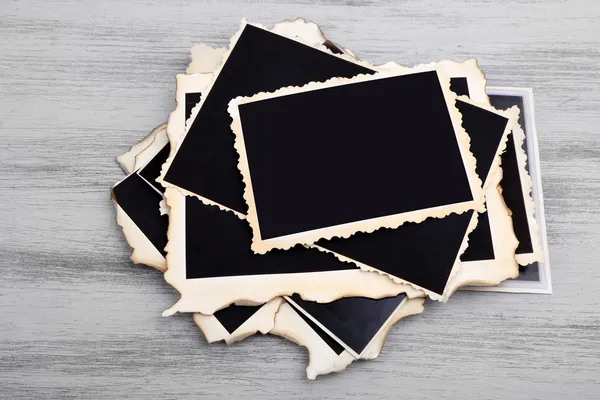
(310, 171)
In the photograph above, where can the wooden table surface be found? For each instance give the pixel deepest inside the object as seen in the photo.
(81, 81)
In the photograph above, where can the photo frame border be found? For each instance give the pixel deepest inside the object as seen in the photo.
(345, 230)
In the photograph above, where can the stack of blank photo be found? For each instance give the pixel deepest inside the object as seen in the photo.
(299, 191)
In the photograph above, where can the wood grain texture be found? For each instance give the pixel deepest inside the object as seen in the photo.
(81, 81)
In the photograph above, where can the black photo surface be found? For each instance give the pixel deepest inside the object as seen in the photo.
(320, 172)
(152, 170)
(141, 203)
(512, 190)
(481, 246)
(218, 245)
(329, 341)
(233, 317)
(354, 321)
(425, 253)
(191, 99)
(460, 86)
(206, 162)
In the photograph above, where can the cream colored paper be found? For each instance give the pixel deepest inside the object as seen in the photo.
(261, 321)
(534, 230)
(322, 359)
(127, 160)
(337, 339)
(141, 153)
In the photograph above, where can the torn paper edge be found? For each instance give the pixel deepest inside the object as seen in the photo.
(476, 81)
(469, 69)
(205, 59)
(526, 185)
(156, 145)
(411, 307)
(144, 251)
(261, 321)
(142, 160)
(543, 285)
(334, 336)
(176, 130)
(504, 242)
(346, 230)
(463, 278)
(178, 126)
(307, 33)
(299, 30)
(127, 160)
(432, 295)
(504, 265)
(207, 295)
(176, 123)
(512, 115)
(322, 359)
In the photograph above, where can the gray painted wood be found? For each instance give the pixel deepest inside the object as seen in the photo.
(81, 81)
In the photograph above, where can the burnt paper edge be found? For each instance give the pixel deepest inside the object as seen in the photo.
(176, 131)
(503, 266)
(307, 33)
(261, 321)
(512, 115)
(476, 271)
(543, 285)
(526, 184)
(207, 295)
(178, 125)
(144, 251)
(469, 69)
(127, 160)
(356, 355)
(346, 230)
(142, 159)
(322, 360)
(204, 59)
